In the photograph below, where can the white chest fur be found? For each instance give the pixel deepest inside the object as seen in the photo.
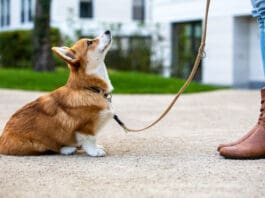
(101, 71)
(104, 117)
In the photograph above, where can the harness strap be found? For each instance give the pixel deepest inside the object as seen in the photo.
(200, 55)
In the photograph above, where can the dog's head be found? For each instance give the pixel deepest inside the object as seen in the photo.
(87, 54)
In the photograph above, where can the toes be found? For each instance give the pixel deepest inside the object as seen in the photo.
(97, 152)
(100, 146)
(100, 152)
(67, 150)
(220, 146)
(232, 152)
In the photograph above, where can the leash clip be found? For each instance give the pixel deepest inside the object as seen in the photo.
(125, 130)
(116, 118)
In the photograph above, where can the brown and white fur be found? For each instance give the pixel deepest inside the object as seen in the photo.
(71, 115)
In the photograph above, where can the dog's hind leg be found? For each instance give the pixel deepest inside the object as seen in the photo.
(12, 144)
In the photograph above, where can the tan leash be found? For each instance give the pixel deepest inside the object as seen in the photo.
(183, 88)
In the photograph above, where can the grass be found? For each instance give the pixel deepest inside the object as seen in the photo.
(124, 82)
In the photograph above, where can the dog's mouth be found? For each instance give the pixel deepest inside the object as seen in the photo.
(106, 46)
(107, 34)
(103, 45)
(108, 39)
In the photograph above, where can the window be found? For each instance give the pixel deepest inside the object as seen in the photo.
(23, 11)
(5, 13)
(138, 10)
(2, 13)
(26, 11)
(30, 10)
(86, 9)
(185, 42)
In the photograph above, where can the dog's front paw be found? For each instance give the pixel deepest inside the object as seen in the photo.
(96, 152)
(67, 150)
(100, 146)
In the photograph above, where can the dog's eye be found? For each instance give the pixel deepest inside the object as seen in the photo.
(89, 43)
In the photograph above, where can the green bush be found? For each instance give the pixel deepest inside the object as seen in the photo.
(128, 53)
(16, 47)
(131, 53)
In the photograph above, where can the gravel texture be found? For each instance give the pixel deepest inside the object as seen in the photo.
(176, 158)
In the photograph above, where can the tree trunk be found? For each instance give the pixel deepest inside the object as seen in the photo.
(42, 54)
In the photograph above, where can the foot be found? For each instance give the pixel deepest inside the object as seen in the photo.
(253, 130)
(95, 152)
(238, 141)
(67, 150)
(88, 143)
(252, 147)
(100, 146)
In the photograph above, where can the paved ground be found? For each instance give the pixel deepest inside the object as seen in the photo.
(177, 158)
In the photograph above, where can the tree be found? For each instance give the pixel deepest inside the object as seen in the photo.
(42, 54)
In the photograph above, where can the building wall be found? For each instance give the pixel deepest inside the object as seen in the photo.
(113, 11)
(241, 44)
(15, 17)
(106, 14)
(15, 14)
(186, 10)
(218, 64)
(232, 48)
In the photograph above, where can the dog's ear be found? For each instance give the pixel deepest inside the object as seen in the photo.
(67, 54)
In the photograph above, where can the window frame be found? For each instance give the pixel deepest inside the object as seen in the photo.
(89, 14)
(22, 11)
(5, 13)
(26, 14)
(184, 47)
(138, 10)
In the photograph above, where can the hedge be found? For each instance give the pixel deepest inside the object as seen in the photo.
(16, 47)
(131, 53)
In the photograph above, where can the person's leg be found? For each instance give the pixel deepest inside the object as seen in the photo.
(260, 6)
(239, 149)
(262, 42)
(259, 13)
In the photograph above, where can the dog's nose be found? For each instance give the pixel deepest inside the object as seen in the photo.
(107, 32)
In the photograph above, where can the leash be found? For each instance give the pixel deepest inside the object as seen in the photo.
(199, 56)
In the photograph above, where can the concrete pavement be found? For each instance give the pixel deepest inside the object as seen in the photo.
(176, 158)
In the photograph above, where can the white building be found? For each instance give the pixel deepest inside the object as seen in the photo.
(232, 50)
(87, 16)
(233, 53)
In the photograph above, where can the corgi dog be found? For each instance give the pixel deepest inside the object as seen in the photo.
(70, 116)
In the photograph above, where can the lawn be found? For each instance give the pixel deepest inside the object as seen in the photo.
(124, 82)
